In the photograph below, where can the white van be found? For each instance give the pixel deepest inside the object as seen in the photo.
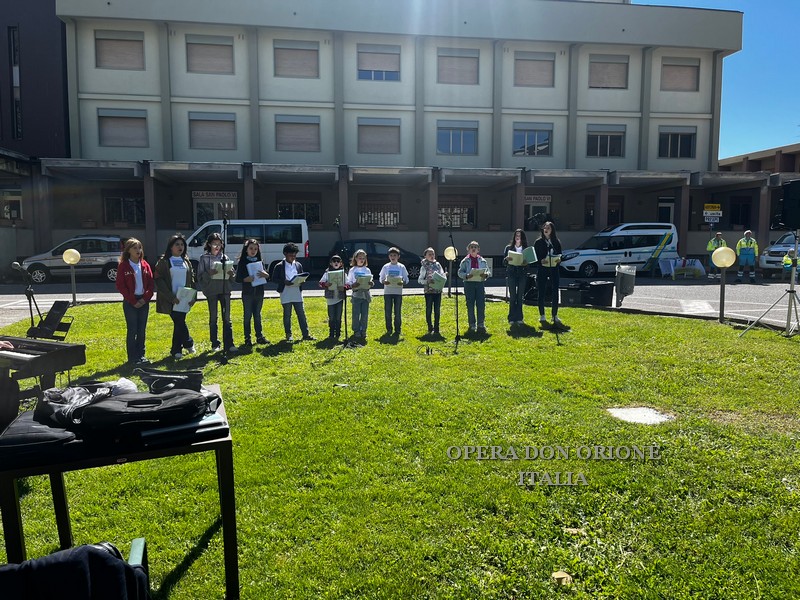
(629, 243)
(272, 234)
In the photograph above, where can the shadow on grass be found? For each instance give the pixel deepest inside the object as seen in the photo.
(273, 350)
(389, 338)
(523, 331)
(179, 571)
(476, 336)
(431, 337)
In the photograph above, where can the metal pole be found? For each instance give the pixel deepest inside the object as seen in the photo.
(722, 295)
(792, 276)
(72, 277)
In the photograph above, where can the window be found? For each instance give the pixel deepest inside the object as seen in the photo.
(605, 140)
(457, 137)
(740, 210)
(379, 210)
(680, 74)
(457, 66)
(123, 207)
(296, 58)
(297, 133)
(534, 69)
(608, 71)
(11, 204)
(122, 128)
(16, 89)
(533, 139)
(456, 210)
(676, 142)
(209, 54)
(119, 50)
(300, 206)
(378, 62)
(212, 131)
(378, 136)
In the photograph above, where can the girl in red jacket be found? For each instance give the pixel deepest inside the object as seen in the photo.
(135, 283)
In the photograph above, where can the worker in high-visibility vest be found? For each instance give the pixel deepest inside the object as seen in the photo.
(787, 264)
(747, 251)
(713, 244)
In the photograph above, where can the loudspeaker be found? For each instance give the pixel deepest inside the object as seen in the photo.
(790, 216)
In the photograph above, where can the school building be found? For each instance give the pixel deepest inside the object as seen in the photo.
(402, 122)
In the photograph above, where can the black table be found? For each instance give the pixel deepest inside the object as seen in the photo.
(55, 466)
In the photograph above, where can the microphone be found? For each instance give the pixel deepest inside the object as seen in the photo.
(25, 275)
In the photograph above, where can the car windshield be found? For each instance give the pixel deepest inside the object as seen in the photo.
(596, 242)
(787, 239)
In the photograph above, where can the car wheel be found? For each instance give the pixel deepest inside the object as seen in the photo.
(110, 273)
(588, 269)
(413, 272)
(39, 273)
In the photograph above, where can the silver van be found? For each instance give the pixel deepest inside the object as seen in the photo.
(272, 235)
(628, 243)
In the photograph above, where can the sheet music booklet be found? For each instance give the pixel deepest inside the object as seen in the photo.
(185, 295)
(253, 269)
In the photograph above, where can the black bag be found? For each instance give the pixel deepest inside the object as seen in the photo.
(141, 410)
(159, 381)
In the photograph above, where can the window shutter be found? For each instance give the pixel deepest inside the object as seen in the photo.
(680, 78)
(123, 131)
(458, 70)
(378, 139)
(535, 69)
(372, 61)
(608, 71)
(209, 58)
(296, 62)
(119, 54)
(212, 135)
(297, 137)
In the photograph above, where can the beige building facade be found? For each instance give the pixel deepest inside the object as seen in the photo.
(403, 122)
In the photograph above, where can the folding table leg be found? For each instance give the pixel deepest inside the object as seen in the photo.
(12, 520)
(61, 510)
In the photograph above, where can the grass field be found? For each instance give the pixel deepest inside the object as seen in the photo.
(347, 486)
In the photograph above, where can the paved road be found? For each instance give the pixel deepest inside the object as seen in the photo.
(688, 297)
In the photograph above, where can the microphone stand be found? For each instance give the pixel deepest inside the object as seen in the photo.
(26, 277)
(343, 254)
(225, 301)
(453, 245)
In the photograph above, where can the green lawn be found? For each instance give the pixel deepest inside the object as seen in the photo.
(344, 488)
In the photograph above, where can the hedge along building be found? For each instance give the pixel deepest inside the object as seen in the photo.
(405, 120)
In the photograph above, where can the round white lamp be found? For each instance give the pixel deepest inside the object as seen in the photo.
(72, 257)
(450, 253)
(723, 258)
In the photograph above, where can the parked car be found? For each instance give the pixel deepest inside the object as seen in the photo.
(99, 256)
(628, 243)
(771, 259)
(377, 254)
(272, 235)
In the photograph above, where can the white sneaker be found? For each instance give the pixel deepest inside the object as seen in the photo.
(233, 349)
(542, 319)
(473, 328)
(177, 356)
(191, 350)
(556, 321)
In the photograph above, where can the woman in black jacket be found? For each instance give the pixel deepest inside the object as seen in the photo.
(548, 255)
